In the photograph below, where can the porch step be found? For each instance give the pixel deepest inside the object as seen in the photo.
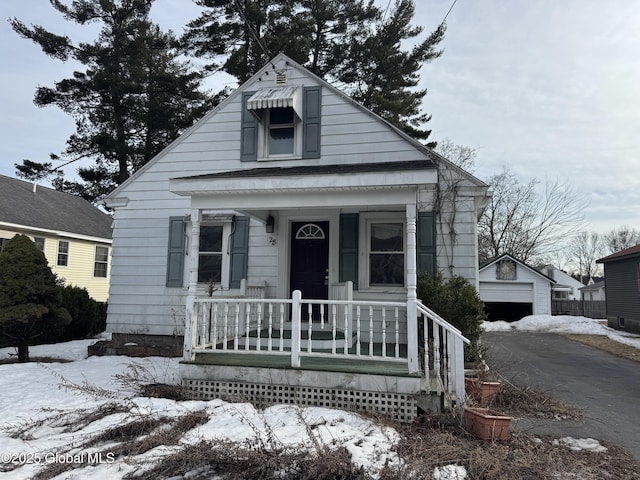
(322, 339)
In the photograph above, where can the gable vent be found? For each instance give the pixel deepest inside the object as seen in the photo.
(281, 77)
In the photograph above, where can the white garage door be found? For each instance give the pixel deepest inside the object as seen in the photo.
(506, 292)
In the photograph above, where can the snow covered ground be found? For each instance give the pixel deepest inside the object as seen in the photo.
(35, 397)
(564, 324)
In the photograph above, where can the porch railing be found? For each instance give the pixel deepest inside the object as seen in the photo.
(348, 328)
(443, 357)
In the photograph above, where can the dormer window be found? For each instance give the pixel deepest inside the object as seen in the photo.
(281, 122)
(282, 132)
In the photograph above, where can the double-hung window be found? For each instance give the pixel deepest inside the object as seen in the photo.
(210, 259)
(281, 122)
(63, 253)
(101, 262)
(382, 242)
(386, 254)
(281, 139)
(39, 241)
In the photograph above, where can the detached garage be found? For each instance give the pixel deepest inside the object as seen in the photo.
(512, 289)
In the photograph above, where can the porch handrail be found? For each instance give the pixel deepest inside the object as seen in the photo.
(447, 355)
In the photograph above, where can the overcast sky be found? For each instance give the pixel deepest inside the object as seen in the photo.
(549, 88)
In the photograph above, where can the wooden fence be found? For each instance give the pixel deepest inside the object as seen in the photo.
(585, 308)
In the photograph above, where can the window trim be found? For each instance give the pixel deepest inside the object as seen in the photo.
(223, 284)
(264, 128)
(97, 262)
(44, 243)
(66, 254)
(367, 219)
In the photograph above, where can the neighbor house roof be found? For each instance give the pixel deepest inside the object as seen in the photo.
(23, 204)
(593, 286)
(629, 252)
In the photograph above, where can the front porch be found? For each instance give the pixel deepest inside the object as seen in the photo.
(346, 354)
(351, 237)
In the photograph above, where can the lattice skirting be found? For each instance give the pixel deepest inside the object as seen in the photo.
(401, 406)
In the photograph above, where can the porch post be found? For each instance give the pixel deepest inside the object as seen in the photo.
(412, 281)
(296, 297)
(191, 327)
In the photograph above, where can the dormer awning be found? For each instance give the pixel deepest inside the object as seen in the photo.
(277, 97)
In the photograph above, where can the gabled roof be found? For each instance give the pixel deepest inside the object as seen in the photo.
(628, 253)
(435, 157)
(45, 208)
(593, 286)
(495, 260)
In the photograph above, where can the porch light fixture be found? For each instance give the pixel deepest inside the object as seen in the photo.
(270, 224)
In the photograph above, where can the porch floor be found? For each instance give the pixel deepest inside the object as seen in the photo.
(372, 366)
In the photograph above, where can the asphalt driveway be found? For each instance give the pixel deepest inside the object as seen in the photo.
(606, 387)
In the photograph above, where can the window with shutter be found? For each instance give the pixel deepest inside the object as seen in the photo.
(281, 122)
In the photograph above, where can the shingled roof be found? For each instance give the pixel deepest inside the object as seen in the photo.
(50, 209)
(623, 254)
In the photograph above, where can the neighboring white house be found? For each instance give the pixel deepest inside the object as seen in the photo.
(512, 289)
(287, 186)
(593, 292)
(566, 287)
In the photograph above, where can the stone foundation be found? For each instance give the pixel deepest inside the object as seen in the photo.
(139, 345)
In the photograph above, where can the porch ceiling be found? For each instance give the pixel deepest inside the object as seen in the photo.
(390, 183)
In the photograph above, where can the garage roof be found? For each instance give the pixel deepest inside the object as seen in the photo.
(495, 260)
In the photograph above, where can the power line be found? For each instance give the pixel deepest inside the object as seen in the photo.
(384, 17)
(450, 8)
(252, 31)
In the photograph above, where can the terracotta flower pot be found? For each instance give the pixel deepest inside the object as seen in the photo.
(486, 424)
(481, 391)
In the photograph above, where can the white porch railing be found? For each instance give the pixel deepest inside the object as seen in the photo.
(443, 361)
(333, 328)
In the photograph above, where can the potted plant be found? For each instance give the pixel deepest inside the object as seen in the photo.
(486, 424)
(482, 391)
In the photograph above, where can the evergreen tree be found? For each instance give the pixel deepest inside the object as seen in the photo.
(382, 76)
(134, 97)
(240, 36)
(350, 42)
(30, 296)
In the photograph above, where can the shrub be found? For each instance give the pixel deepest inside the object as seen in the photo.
(30, 299)
(456, 301)
(88, 316)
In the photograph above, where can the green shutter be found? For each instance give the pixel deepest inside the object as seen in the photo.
(249, 132)
(239, 251)
(426, 243)
(311, 122)
(175, 257)
(349, 228)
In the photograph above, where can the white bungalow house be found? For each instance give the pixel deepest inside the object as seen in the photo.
(280, 237)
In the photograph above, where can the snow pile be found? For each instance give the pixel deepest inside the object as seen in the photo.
(450, 472)
(578, 444)
(563, 324)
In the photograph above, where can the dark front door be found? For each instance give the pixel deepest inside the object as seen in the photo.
(310, 259)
